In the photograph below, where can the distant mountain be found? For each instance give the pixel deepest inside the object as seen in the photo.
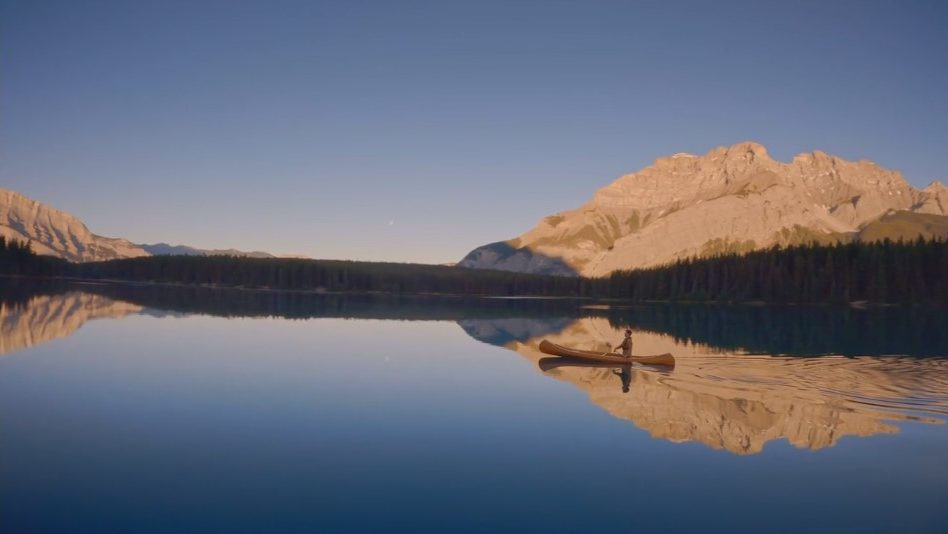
(56, 233)
(732, 199)
(164, 249)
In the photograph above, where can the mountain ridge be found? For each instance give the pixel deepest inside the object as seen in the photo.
(57, 233)
(165, 249)
(731, 199)
(54, 232)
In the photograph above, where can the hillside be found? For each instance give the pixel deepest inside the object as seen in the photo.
(56, 233)
(52, 232)
(732, 199)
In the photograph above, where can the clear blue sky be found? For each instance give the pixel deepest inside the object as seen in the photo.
(415, 131)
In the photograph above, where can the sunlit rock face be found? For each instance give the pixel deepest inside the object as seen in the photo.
(56, 233)
(933, 199)
(732, 199)
(48, 317)
(740, 402)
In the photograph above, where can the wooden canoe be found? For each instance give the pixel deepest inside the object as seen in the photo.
(666, 360)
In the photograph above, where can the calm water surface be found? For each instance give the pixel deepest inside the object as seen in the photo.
(136, 409)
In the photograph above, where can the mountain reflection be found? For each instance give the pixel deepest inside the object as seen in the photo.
(41, 318)
(739, 402)
(739, 382)
(785, 330)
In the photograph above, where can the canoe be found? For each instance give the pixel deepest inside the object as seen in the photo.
(666, 360)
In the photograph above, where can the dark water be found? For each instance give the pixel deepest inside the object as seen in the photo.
(137, 409)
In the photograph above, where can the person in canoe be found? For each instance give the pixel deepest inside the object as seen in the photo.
(626, 344)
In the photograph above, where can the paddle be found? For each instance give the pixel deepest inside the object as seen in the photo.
(616, 354)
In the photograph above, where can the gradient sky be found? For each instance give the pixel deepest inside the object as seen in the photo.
(416, 131)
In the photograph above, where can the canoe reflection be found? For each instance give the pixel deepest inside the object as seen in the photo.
(740, 402)
(624, 372)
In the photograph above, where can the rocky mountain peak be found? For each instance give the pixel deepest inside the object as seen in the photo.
(748, 151)
(933, 199)
(730, 199)
(935, 187)
(21, 211)
(57, 233)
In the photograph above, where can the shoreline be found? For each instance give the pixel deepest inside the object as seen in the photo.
(604, 303)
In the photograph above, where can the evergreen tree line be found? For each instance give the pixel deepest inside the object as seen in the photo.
(795, 330)
(788, 330)
(18, 258)
(881, 272)
(884, 272)
(327, 275)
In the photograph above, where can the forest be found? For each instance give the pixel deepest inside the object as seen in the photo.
(882, 272)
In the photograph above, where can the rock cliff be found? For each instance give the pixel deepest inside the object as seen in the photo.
(732, 199)
(56, 233)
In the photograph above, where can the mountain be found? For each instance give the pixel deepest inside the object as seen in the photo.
(732, 199)
(56, 233)
(164, 249)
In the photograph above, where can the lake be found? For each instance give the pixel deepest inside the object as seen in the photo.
(175, 409)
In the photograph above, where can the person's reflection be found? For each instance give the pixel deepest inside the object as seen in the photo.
(625, 374)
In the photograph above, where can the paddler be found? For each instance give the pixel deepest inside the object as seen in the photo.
(626, 344)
